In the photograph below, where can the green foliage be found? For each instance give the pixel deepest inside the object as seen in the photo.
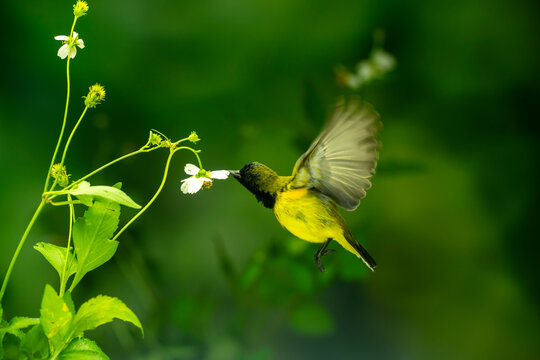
(92, 237)
(60, 327)
(35, 344)
(63, 327)
(58, 333)
(16, 324)
(450, 218)
(56, 318)
(56, 256)
(101, 310)
(14, 327)
(86, 193)
(82, 348)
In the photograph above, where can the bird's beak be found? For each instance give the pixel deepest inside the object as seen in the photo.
(235, 173)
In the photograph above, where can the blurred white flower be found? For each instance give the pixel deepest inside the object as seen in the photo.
(69, 43)
(200, 178)
(384, 61)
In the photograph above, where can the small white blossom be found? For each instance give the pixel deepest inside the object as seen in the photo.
(384, 61)
(200, 178)
(69, 43)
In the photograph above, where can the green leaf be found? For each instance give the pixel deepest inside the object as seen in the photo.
(56, 256)
(82, 349)
(86, 200)
(91, 237)
(101, 310)
(14, 327)
(312, 319)
(56, 317)
(16, 324)
(69, 302)
(102, 192)
(35, 344)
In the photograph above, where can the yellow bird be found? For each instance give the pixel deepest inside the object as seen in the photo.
(335, 170)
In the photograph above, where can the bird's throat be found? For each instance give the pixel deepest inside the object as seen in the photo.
(267, 199)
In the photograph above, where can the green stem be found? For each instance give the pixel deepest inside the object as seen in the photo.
(18, 250)
(62, 203)
(196, 152)
(54, 194)
(73, 184)
(165, 173)
(65, 115)
(63, 278)
(71, 136)
(141, 150)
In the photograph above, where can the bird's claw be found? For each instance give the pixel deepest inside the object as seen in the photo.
(320, 253)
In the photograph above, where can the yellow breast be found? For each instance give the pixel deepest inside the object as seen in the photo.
(306, 216)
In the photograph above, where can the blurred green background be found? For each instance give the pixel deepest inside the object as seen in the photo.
(450, 218)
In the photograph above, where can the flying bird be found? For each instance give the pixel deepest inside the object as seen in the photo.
(334, 171)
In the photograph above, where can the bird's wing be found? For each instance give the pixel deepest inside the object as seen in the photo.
(342, 159)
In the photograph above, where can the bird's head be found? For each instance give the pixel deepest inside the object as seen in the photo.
(262, 181)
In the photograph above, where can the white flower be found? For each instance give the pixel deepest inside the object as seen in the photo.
(69, 43)
(200, 178)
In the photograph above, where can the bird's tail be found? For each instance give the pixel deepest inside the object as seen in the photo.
(360, 251)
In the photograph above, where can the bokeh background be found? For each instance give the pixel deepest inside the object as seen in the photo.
(451, 218)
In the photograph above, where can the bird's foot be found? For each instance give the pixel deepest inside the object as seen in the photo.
(322, 251)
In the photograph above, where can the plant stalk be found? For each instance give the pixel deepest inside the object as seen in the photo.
(19, 247)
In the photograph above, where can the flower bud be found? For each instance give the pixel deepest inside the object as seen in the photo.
(95, 96)
(80, 8)
(154, 139)
(60, 174)
(193, 137)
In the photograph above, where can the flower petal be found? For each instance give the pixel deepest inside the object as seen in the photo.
(192, 185)
(73, 52)
(184, 186)
(61, 37)
(80, 43)
(75, 34)
(63, 51)
(219, 174)
(191, 169)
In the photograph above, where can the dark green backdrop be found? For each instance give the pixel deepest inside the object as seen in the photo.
(213, 275)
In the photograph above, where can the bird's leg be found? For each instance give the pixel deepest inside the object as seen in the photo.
(321, 252)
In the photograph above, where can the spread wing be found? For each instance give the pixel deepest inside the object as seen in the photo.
(342, 159)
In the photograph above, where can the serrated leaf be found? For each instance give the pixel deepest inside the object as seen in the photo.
(15, 325)
(101, 310)
(18, 323)
(103, 192)
(82, 348)
(35, 344)
(56, 256)
(55, 318)
(91, 237)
